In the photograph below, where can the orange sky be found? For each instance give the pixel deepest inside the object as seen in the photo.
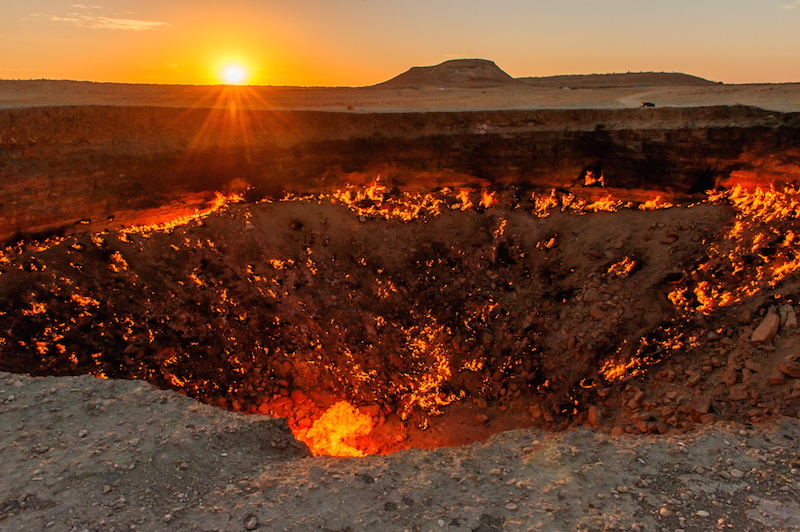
(362, 42)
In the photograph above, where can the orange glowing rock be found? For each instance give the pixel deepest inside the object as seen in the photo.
(334, 432)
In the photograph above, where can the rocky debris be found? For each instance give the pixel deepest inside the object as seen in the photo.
(730, 376)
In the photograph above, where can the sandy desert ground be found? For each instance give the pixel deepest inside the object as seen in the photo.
(702, 434)
(775, 97)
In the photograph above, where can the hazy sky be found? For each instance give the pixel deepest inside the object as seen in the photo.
(362, 42)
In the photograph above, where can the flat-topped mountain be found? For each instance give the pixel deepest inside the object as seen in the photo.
(454, 73)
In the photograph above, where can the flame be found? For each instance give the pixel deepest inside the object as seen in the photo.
(426, 392)
(335, 431)
(606, 204)
(488, 199)
(379, 201)
(118, 262)
(590, 180)
(464, 200)
(376, 201)
(544, 204)
(215, 205)
(655, 204)
(622, 268)
(616, 368)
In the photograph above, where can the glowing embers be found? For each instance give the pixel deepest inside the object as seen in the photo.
(426, 345)
(336, 431)
(118, 262)
(84, 301)
(377, 201)
(659, 344)
(544, 204)
(757, 252)
(37, 307)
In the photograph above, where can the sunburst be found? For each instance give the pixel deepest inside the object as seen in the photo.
(234, 75)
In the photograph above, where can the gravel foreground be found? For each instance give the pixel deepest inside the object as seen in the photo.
(85, 454)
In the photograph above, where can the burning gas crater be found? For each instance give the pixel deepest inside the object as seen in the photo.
(376, 320)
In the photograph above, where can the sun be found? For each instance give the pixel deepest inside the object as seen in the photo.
(234, 75)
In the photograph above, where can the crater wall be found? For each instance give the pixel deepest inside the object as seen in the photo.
(62, 165)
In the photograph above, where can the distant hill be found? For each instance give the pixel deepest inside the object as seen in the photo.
(454, 73)
(466, 73)
(630, 79)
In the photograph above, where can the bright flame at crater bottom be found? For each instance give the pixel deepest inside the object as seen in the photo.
(334, 433)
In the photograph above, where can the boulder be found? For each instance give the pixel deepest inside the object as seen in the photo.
(738, 393)
(767, 329)
(700, 405)
(788, 317)
(753, 365)
(729, 376)
(776, 378)
(593, 416)
(790, 366)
